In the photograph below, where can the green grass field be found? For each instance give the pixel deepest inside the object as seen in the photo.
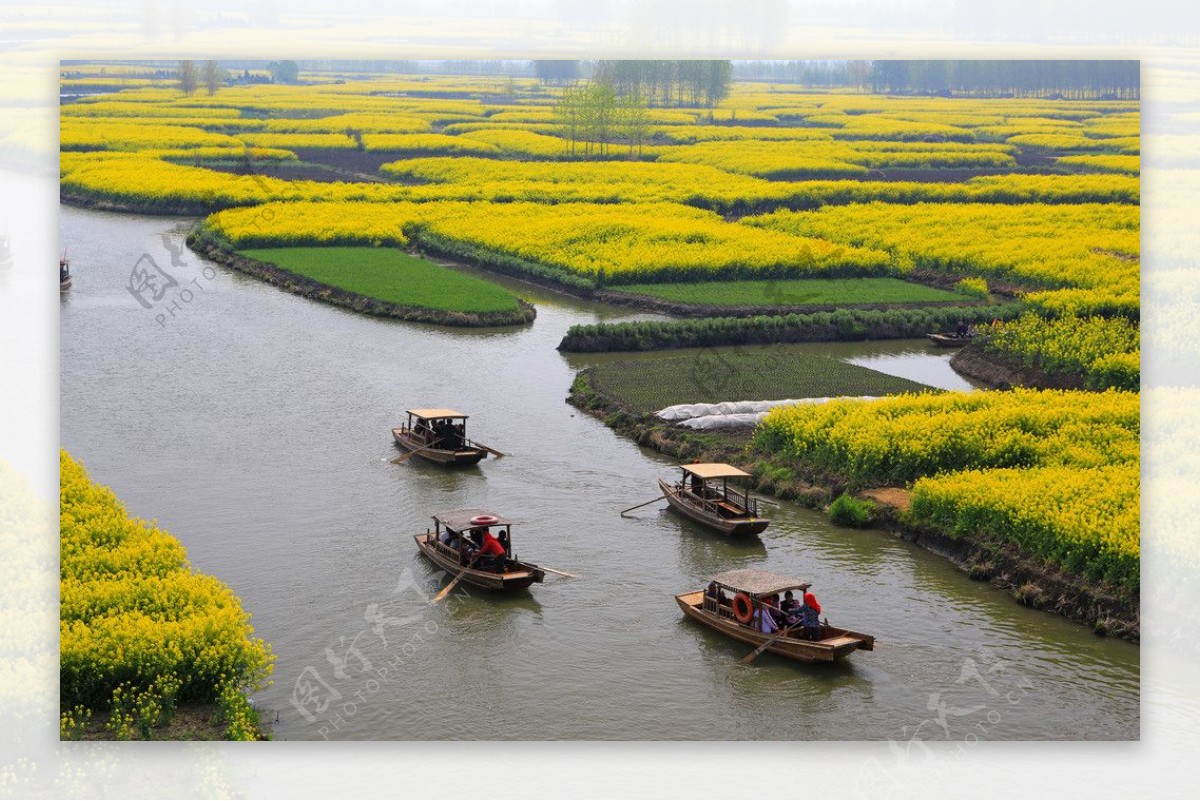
(797, 292)
(389, 275)
(653, 381)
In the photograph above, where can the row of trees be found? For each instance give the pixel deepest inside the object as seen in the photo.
(827, 74)
(592, 116)
(212, 77)
(661, 83)
(1032, 78)
(983, 78)
(191, 77)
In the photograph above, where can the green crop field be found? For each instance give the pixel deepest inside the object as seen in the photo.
(654, 381)
(389, 275)
(797, 292)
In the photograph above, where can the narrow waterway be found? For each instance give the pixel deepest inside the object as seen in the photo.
(254, 426)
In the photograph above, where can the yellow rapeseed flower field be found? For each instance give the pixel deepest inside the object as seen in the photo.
(1055, 471)
(134, 613)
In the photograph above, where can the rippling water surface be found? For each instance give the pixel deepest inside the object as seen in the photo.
(254, 426)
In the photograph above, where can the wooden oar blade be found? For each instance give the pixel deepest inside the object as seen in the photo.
(446, 590)
(492, 451)
(409, 455)
(557, 572)
(750, 657)
(640, 505)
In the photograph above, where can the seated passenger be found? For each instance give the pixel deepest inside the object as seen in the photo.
(790, 608)
(714, 591)
(811, 600)
(810, 614)
(764, 620)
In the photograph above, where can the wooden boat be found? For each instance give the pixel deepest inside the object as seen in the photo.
(748, 588)
(439, 435)
(444, 545)
(64, 274)
(698, 497)
(950, 340)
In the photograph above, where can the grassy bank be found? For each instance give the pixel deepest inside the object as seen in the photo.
(142, 634)
(379, 282)
(391, 276)
(649, 382)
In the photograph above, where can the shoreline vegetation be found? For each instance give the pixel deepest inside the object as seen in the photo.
(842, 325)
(1108, 607)
(149, 647)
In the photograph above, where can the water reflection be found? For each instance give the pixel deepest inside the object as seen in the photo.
(704, 553)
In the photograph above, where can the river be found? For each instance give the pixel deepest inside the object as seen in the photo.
(254, 426)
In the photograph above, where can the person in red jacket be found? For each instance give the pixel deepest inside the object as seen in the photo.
(491, 552)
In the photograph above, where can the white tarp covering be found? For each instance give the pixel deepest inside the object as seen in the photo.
(731, 414)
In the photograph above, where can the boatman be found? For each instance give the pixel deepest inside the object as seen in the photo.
(491, 552)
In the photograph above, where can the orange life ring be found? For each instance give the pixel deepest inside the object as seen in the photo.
(743, 610)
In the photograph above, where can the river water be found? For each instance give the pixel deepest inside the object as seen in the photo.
(254, 426)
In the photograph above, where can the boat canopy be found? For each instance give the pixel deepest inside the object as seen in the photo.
(436, 414)
(759, 582)
(714, 470)
(460, 519)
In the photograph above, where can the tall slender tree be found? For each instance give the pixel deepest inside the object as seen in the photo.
(633, 122)
(189, 77)
(213, 76)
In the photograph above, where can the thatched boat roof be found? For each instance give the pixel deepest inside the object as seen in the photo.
(759, 582)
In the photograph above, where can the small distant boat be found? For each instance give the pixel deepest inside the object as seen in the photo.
(950, 340)
(449, 546)
(440, 435)
(734, 616)
(64, 274)
(698, 496)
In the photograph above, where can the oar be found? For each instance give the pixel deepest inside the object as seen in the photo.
(409, 455)
(446, 590)
(557, 572)
(748, 658)
(492, 451)
(640, 505)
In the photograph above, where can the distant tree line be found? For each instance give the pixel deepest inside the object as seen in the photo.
(823, 73)
(612, 106)
(659, 83)
(1118, 80)
(1115, 80)
(665, 83)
